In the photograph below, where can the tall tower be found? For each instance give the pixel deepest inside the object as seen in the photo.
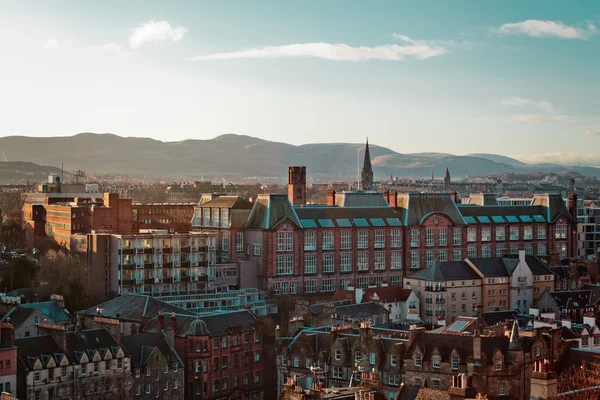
(447, 180)
(366, 176)
(297, 185)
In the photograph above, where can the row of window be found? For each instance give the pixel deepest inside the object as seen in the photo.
(329, 284)
(62, 372)
(148, 388)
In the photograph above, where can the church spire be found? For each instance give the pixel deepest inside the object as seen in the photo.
(367, 170)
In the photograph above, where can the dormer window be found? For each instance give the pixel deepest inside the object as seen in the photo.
(372, 358)
(37, 320)
(454, 363)
(338, 354)
(498, 364)
(418, 359)
(393, 360)
(538, 351)
(436, 360)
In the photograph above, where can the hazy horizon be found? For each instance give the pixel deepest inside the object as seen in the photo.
(506, 78)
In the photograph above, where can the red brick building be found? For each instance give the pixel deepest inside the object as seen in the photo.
(362, 237)
(222, 354)
(8, 359)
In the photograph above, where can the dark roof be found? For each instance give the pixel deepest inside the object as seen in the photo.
(576, 357)
(474, 211)
(416, 206)
(536, 266)
(495, 317)
(482, 199)
(595, 289)
(561, 271)
(572, 299)
(141, 346)
(235, 202)
(362, 310)
(18, 315)
(490, 267)
(217, 324)
(554, 206)
(29, 349)
(51, 309)
(317, 308)
(90, 339)
(346, 217)
(269, 210)
(133, 307)
(446, 271)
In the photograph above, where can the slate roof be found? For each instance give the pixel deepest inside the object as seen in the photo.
(482, 199)
(29, 349)
(446, 271)
(134, 308)
(51, 309)
(536, 266)
(361, 198)
(362, 310)
(595, 289)
(317, 308)
(18, 316)
(575, 357)
(141, 346)
(414, 207)
(476, 211)
(269, 210)
(341, 216)
(217, 324)
(490, 267)
(234, 202)
(554, 206)
(90, 339)
(572, 299)
(496, 317)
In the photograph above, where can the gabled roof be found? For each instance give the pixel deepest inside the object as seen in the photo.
(553, 204)
(139, 347)
(51, 309)
(133, 307)
(446, 271)
(415, 206)
(495, 317)
(595, 295)
(536, 266)
(387, 294)
(482, 199)
(217, 324)
(269, 210)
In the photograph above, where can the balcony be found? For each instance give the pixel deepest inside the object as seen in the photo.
(148, 265)
(127, 267)
(185, 249)
(127, 282)
(167, 280)
(435, 289)
(440, 300)
(439, 312)
(185, 264)
(428, 300)
(428, 312)
(126, 251)
(166, 250)
(148, 250)
(148, 281)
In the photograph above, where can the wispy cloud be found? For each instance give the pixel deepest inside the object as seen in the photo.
(589, 159)
(438, 43)
(558, 119)
(520, 102)
(539, 29)
(337, 52)
(155, 31)
(592, 131)
(52, 43)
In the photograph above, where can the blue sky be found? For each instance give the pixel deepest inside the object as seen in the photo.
(516, 78)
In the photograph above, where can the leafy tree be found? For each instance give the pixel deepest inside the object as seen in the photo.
(66, 273)
(20, 273)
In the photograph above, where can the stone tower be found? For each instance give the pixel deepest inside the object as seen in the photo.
(366, 177)
(447, 179)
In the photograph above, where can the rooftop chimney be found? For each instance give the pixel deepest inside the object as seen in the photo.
(331, 198)
(57, 332)
(297, 185)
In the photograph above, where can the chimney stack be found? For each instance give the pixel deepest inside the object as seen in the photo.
(331, 198)
(161, 321)
(454, 196)
(57, 332)
(297, 185)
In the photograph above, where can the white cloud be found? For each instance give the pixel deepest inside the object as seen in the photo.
(592, 132)
(437, 43)
(111, 47)
(537, 28)
(558, 119)
(520, 102)
(52, 43)
(155, 31)
(335, 52)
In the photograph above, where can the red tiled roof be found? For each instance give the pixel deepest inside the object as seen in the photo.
(341, 294)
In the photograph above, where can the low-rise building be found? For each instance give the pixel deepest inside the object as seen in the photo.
(8, 360)
(157, 370)
(88, 364)
(222, 354)
(26, 317)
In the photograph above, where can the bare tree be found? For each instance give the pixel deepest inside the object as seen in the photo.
(581, 382)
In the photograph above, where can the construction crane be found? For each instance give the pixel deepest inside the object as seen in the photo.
(78, 174)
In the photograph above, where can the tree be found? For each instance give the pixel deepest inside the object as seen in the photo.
(20, 273)
(582, 382)
(67, 274)
(12, 234)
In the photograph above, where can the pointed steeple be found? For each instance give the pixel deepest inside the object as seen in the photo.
(447, 179)
(367, 170)
(515, 344)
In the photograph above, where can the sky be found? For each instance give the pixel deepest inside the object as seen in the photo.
(518, 78)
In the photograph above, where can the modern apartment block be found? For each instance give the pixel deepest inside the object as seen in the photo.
(156, 262)
(363, 237)
(588, 228)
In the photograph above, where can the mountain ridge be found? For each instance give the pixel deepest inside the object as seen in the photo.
(242, 155)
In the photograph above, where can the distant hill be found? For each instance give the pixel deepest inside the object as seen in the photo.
(237, 155)
(19, 172)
